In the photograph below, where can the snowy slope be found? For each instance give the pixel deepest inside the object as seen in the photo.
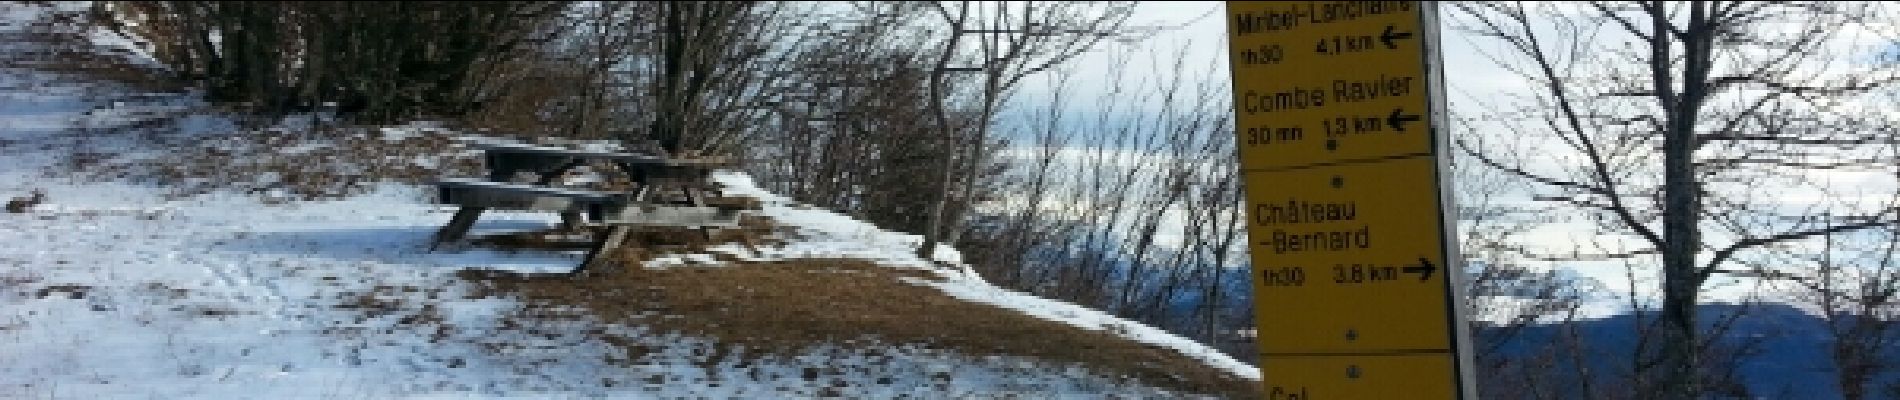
(121, 297)
(826, 233)
(115, 290)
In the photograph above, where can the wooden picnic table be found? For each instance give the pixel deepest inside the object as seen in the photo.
(650, 174)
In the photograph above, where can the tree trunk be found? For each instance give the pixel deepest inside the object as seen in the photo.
(316, 53)
(1682, 279)
(934, 219)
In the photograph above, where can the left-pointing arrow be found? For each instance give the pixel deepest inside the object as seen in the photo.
(1423, 269)
(1398, 119)
(1388, 36)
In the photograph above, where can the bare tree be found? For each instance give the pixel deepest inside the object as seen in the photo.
(685, 78)
(1855, 287)
(1508, 294)
(848, 125)
(1014, 40)
(384, 61)
(1128, 202)
(1040, 197)
(1681, 124)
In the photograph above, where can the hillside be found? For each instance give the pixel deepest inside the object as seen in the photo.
(181, 251)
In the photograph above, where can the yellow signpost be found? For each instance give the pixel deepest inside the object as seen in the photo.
(1355, 280)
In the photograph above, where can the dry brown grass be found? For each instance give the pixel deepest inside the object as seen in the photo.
(643, 243)
(419, 317)
(780, 308)
(329, 162)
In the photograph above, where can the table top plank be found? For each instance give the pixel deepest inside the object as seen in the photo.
(529, 189)
(627, 158)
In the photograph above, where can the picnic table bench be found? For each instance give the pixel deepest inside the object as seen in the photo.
(621, 211)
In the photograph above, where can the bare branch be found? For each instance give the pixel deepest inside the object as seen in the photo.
(1724, 254)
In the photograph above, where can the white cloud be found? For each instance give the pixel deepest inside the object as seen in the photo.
(1478, 83)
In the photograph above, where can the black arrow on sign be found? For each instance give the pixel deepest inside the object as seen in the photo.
(1423, 269)
(1387, 37)
(1398, 119)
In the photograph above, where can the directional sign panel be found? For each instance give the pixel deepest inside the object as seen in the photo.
(1368, 377)
(1348, 259)
(1356, 290)
(1326, 81)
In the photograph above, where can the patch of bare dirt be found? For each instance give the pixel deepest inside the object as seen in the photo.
(779, 308)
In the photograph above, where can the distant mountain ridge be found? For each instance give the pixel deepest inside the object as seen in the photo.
(1791, 359)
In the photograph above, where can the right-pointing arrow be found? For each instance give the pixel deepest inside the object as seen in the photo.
(1423, 269)
(1398, 119)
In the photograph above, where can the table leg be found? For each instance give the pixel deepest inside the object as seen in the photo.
(602, 249)
(569, 220)
(457, 227)
(644, 194)
(695, 196)
(635, 175)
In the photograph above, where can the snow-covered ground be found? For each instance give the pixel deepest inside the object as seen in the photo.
(118, 290)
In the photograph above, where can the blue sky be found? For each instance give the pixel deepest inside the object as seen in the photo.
(1470, 76)
(1204, 38)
